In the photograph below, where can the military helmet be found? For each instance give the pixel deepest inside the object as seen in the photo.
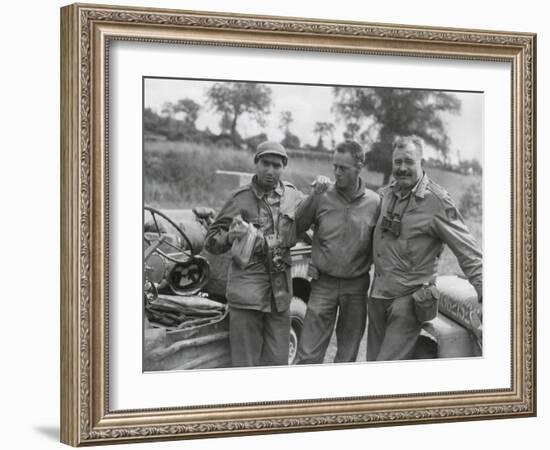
(271, 148)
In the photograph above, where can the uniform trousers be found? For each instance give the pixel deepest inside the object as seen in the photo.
(258, 338)
(331, 297)
(393, 329)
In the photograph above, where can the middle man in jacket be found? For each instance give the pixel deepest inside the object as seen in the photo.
(343, 218)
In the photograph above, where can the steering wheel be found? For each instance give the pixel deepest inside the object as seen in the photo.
(161, 223)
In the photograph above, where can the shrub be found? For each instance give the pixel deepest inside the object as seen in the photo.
(471, 202)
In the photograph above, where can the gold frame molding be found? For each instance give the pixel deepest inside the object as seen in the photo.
(86, 31)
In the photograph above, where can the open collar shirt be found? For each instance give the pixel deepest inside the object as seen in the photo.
(429, 220)
(342, 230)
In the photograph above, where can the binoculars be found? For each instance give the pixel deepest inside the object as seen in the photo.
(392, 223)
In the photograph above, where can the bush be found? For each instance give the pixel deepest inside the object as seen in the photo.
(471, 202)
(253, 141)
(184, 174)
(291, 141)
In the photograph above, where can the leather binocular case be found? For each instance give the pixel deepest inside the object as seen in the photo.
(426, 303)
(279, 284)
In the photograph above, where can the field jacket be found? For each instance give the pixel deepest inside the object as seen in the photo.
(429, 219)
(251, 287)
(343, 230)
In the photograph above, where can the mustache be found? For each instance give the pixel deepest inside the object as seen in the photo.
(401, 173)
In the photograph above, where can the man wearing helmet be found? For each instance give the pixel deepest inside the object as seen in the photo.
(259, 294)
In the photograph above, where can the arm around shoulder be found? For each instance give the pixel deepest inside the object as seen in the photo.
(306, 212)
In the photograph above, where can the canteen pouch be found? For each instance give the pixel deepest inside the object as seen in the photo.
(281, 289)
(426, 303)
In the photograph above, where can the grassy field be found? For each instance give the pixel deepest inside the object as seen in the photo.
(182, 175)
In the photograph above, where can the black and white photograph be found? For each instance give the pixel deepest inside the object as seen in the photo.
(288, 224)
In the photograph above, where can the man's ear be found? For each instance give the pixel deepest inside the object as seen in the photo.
(422, 162)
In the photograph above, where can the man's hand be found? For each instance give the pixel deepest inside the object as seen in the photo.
(321, 184)
(237, 230)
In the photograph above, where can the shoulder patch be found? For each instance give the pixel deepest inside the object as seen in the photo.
(451, 213)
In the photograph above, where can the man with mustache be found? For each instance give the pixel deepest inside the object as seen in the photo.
(259, 292)
(343, 216)
(417, 218)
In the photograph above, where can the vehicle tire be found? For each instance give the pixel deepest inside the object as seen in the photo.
(297, 316)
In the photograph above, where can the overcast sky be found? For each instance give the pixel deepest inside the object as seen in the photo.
(311, 104)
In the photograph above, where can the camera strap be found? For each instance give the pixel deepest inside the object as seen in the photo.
(404, 210)
(392, 220)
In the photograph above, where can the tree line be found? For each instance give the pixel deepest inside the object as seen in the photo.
(374, 116)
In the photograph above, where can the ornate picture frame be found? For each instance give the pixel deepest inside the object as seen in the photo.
(87, 31)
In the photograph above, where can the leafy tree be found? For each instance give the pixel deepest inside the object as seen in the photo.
(470, 167)
(233, 100)
(168, 125)
(387, 113)
(150, 120)
(290, 140)
(225, 123)
(476, 166)
(471, 202)
(252, 142)
(285, 121)
(168, 109)
(352, 128)
(190, 110)
(324, 129)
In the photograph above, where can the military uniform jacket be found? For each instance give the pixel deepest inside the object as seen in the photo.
(251, 287)
(343, 229)
(429, 219)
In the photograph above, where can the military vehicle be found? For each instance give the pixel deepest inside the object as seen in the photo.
(184, 292)
(186, 318)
